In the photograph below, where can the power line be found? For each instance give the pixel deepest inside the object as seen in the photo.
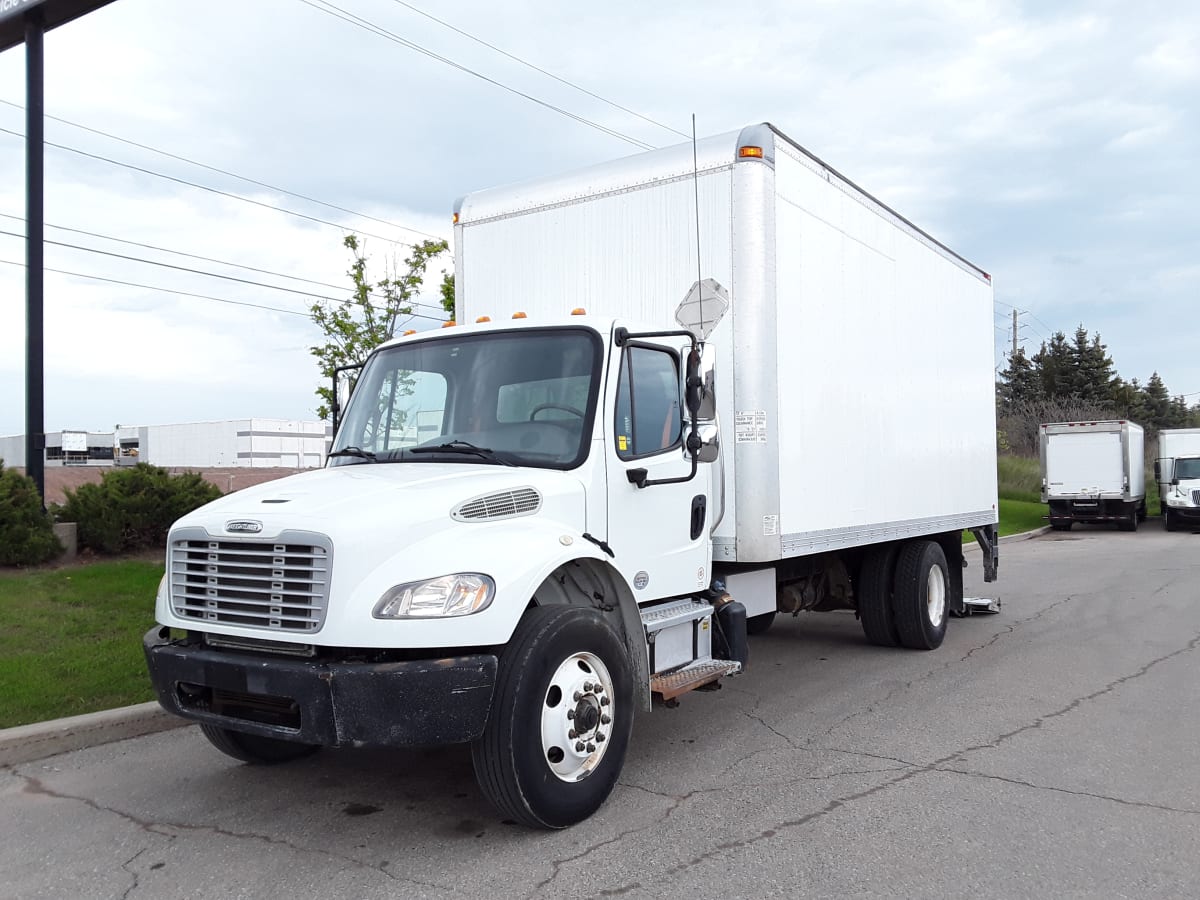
(359, 22)
(151, 262)
(530, 65)
(163, 290)
(211, 190)
(220, 171)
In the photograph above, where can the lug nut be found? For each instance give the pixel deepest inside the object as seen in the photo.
(599, 738)
(605, 719)
(570, 714)
(599, 688)
(572, 733)
(604, 701)
(587, 686)
(578, 696)
(591, 748)
(579, 747)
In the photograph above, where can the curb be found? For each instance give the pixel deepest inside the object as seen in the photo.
(27, 743)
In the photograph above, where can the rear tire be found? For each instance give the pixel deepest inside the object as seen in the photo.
(760, 623)
(921, 596)
(875, 597)
(527, 762)
(253, 748)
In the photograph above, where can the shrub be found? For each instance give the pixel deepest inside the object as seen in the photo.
(26, 531)
(131, 509)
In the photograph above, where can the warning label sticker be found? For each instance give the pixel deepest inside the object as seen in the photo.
(770, 524)
(750, 426)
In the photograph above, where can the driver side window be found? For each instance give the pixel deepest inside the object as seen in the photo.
(649, 417)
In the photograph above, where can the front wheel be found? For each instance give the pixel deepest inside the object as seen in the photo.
(1169, 516)
(921, 595)
(253, 748)
(556, 737)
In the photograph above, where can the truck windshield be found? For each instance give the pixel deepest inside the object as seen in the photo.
(1186, 469)
(510, 398)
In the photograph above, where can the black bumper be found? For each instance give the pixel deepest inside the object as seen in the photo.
(322, 702)
(1189, 514)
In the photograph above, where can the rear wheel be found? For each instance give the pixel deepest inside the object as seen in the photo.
(253, 748)
(875, 597)
(921, 595)
(560, 722)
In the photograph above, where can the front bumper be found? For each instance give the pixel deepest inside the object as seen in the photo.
(323, 702)
(1189, 514)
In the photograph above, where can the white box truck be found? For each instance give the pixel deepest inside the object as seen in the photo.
(1177, 471)
(532, 525)
(1093, 472)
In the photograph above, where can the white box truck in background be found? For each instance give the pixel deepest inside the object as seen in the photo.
(1177, 471)
(533, 524)
(1093, 472)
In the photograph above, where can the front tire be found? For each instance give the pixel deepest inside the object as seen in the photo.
(921, 596)
(556, 737)
(1169, 516)
(253, 748)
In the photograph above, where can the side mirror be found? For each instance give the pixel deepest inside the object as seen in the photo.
(343, 387)
(710, 448)
(700, 394)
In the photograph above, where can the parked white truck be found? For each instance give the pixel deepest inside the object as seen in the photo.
(1177, 471)
(531, 526)
(1093, 472)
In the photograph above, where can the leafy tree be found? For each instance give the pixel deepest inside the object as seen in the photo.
(355, 326)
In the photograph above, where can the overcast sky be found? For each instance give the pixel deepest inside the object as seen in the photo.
(1053, 144)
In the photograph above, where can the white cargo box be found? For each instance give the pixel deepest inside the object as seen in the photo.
(855, 367)
(1093, 460)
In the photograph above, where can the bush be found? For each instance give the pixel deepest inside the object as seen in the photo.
(132, 509)
(26, 531)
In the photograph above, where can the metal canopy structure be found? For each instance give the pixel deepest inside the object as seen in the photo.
(27, 21)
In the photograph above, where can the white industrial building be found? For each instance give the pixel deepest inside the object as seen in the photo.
(234, 443)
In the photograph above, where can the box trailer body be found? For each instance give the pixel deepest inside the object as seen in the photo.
(1177, 471)
(1093, 472)
(531, 525)
(856, 403)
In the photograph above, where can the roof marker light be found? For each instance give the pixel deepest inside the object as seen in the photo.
(455, 221)
(449, 324)
(520, 315)
(750, 152)
(579, 311)
(410, 331)
(483, 319)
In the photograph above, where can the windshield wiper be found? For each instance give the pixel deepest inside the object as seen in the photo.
(464, 447)
(357, 452)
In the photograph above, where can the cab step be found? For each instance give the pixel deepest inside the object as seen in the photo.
(669, 685)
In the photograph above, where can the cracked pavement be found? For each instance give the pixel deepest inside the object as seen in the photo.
(1049, 750)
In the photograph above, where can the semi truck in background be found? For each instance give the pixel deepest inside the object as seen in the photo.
(533, 525)
(1177, 471)
(1093, 472)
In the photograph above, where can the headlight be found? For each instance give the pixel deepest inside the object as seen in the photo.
(450, 595)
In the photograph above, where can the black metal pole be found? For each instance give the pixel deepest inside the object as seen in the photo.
(35, 426)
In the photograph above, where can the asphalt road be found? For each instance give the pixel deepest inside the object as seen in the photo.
(1047, 751)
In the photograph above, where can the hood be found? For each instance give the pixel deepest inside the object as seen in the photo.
(392, 498)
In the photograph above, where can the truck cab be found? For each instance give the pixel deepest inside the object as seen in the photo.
(540, 488)
(1180, 493)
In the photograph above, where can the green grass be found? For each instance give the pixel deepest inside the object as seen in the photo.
(70, 639)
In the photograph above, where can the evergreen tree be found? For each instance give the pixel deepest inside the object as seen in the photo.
(1053, 364)
(1019, 382)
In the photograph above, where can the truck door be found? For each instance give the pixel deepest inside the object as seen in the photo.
(659, 533)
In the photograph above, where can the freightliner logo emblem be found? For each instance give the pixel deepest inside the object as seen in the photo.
(245, 526)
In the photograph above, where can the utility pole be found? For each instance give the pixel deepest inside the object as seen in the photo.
(1014, 353)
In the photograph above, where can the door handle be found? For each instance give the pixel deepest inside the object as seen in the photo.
(699, 514)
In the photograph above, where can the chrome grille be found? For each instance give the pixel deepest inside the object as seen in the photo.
(280, 585)
(1196, 497)
(501, 505)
